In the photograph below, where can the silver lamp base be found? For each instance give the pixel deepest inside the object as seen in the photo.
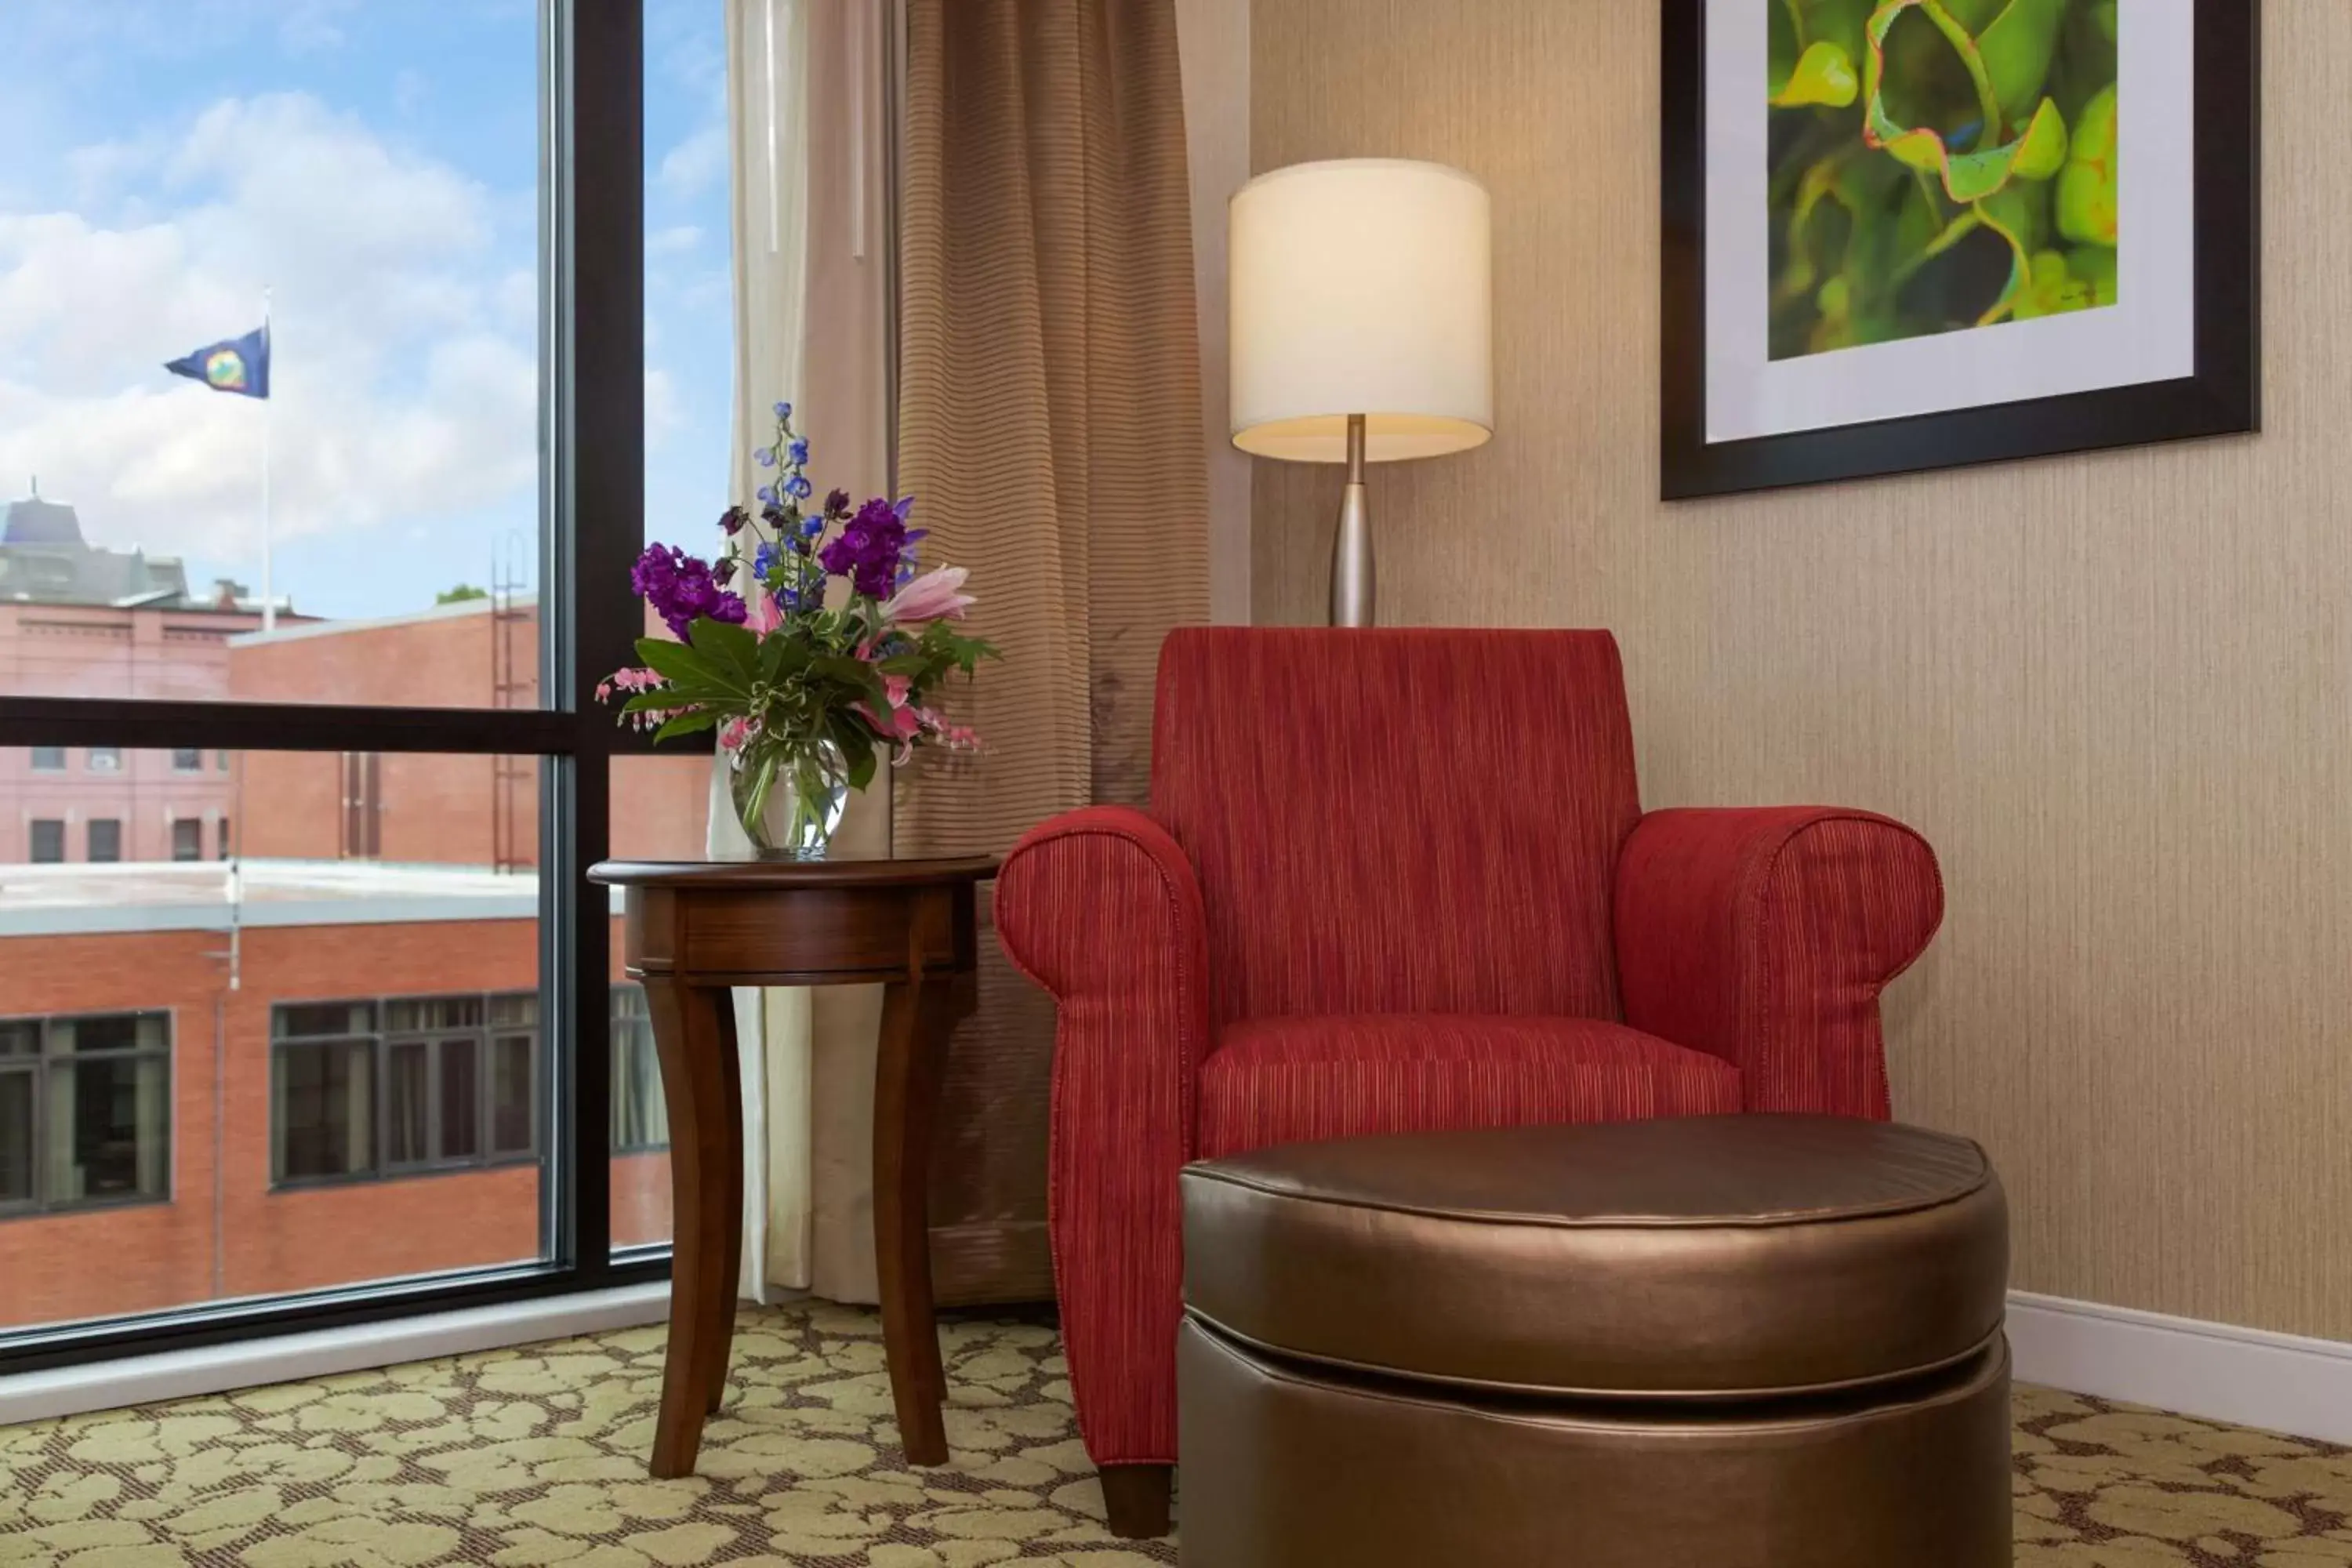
(1352, 551)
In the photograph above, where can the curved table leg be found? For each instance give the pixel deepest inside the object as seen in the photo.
(917, 1016)
(694, 1033)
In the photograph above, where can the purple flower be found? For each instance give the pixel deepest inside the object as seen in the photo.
(784, 411)
(868, 550)
(682, 589)
(765, 457)
(734, 519)
(836, 505)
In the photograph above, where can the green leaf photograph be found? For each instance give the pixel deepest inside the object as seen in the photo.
(1939, 165)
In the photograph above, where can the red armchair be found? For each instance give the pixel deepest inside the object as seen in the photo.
(1397, 880)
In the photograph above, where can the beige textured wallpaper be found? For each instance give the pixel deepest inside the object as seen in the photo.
(2116, 692)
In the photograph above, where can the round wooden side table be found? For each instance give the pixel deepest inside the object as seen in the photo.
(696, 931)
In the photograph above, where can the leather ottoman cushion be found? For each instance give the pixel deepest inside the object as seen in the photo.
(1713, 1255)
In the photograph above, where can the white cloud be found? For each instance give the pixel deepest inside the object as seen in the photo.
(671, 241)
(404, 377)
(689, 168)
(665, 410)
(308, 25)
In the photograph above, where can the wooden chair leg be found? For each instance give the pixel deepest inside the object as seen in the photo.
(1136, 1499)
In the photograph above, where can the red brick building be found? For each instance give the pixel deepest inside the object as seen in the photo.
(216, 1161)
(319, 1062)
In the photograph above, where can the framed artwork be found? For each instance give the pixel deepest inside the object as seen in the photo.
(1915, 234)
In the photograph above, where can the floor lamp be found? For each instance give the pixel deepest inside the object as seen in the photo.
(1362, 329)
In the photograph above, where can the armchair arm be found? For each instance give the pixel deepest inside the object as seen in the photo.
(1102, 909)
(1765, 936)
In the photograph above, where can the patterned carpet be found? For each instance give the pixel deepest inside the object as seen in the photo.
(531, 1457)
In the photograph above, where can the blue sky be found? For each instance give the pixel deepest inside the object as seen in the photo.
(374, 161)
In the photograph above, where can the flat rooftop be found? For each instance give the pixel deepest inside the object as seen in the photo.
(81, 900)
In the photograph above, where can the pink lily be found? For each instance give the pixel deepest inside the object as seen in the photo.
(904, 723)
(763, 615)
(936, 595)
(736, 734)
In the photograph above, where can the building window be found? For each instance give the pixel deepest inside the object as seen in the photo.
(640, 1115)
(221, 840)
(106, 758)
(220, 762)
(190, 760)
(187, 839)
(48, 846)
(403, 1086)
(105, 840)
(85, 1110)
(48, 759)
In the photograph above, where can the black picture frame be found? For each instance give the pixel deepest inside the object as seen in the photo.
(2223, 397)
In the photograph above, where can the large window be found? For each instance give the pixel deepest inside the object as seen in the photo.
(48, 759)
(105, 840)
(391, 665)
(402, 1086)
(85, 1110)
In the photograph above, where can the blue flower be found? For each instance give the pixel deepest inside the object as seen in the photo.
(768, 494)
(811, 527)
(764, 558)
(798, 488)
(800, 450)
(784, 411)
(765, 457)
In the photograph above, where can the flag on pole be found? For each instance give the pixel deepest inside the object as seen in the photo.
(234, 364)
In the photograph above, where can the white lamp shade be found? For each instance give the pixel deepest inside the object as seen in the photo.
(1363, 286)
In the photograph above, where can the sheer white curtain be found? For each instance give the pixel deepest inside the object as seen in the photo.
(812, 297)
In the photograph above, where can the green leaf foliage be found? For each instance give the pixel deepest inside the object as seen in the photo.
(1824, 76)
(2089, 188)
(1959, 187)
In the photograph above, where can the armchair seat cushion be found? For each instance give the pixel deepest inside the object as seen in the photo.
(1300, 1079)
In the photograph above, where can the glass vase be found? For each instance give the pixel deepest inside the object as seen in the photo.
(790, 795)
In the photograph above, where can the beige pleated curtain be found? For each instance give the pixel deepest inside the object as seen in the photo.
(1050, 427)
(807, 105)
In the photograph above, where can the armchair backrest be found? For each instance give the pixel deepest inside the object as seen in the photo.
(1399, 821)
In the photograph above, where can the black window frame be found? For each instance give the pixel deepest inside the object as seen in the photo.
(36, 1067)
(52, 827)
(187, 759)
(592, 418)
(112, 837)
(483, 1031)
(187, 835)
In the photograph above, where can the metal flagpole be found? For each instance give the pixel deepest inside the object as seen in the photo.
(268, 403)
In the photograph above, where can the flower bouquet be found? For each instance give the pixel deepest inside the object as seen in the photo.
(832, 658)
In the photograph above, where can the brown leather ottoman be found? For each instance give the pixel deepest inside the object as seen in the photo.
(1750, 1342)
